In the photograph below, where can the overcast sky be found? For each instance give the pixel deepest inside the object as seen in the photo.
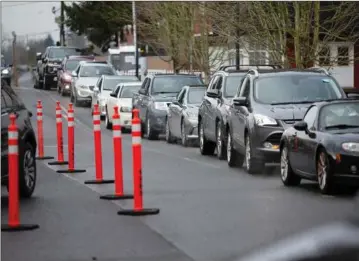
(34, 19)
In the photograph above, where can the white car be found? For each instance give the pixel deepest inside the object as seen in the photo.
(121, 97)
(104, 86)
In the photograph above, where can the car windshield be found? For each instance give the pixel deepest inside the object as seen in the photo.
(173, 84)
(95, 71)
(231, 85)
(71, 65)
(295, 88)
(60, 53)
(195, 95)
(339, 116)
(110, 84)
(128, 91)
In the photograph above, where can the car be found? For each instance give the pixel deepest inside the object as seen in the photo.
(64, 76)
(333, 241)
(267, 103)
(5, 71)
(182, 115)
(121, 97)
(323, 147)
(85, 77)
(49, 62)
(152, 100)
(352, 93)
(10, 103)
(105, 85)
(213, 112)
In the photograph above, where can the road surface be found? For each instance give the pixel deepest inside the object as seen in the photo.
(208, 211)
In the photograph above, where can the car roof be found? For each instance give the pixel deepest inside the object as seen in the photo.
(92, 63)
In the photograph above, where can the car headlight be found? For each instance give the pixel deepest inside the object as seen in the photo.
(5, 71)
(83, 87)
(125, 109)
(351, 146)
(160, 105)
(262, 120)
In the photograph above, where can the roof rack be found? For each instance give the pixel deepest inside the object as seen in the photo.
(319, 69)
(227, 67)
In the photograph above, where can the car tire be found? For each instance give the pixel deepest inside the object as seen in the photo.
(107, 121)
(234, 159)
(169, 137)
(184, 139)
(324, 172)
(253, 165)
(27, 170)
(76, 102)
(71, 97)
(220, 144)
(288, 177)
(58, 89)
(205, 147)
(150, 133)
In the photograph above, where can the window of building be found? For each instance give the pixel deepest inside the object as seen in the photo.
(324, 56)
(257, 54)
(343, 56)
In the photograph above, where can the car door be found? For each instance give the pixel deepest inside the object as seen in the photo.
(146, 99)
(212, 110)
(5, 121)
(240, 115)
(137, 98)
(176, 114)
(206, 106)
(305, 143)
(60, 71)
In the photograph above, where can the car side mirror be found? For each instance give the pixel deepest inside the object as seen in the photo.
(175, 102)
(142, 91)
(44, 60)
(300, 126)
(112, 94)
(213, 93)
(38, 56)
(240, 101)
(96, 89)
(73, 74)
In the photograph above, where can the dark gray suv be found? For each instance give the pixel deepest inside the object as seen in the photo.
(265, 105)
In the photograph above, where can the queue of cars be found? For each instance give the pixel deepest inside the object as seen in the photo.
(249, 117)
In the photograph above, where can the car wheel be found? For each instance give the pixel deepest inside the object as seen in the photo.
(184, 138)
(289, 178)
(107, 121)
(221, 148)
(253, 165)
(27, 171)
(76, 102)
(150, 133)
(205, 147)
(169, 138)
(324, 172)
(233, 157)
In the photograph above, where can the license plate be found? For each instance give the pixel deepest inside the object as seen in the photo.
(55, 78)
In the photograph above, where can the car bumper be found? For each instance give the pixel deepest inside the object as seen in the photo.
(158, 120)
(347, 170)
(265, 143)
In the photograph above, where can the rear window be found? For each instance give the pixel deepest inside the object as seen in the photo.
(173, 84)
(295, 88)
(60, 53)
(96, 71)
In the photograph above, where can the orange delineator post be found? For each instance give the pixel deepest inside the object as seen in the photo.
(40, 133)
(117, 147)
(71, 142)
(98, 149)
(60, 148)
(13, 176)
(138, 209)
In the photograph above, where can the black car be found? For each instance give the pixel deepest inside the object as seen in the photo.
(323, 147)
(267, 103)
(49, 63)
(213, 112)
(182, 114)
(156, 93)
(10, 103)
(337, 241)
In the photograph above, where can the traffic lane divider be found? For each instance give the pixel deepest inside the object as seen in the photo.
(40, 133)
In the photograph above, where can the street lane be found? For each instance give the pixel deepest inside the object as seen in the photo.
(208, 210)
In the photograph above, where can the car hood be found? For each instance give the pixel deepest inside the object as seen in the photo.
(167, 97)
(87, 81)
(347, 135)
(284, 112)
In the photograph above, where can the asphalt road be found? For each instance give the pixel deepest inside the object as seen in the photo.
(208, 211)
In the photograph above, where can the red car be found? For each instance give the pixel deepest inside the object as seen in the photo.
(64, 73)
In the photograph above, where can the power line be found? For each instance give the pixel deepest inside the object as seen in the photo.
(28, 3)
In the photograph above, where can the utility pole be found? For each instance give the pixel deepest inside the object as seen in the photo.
(14, 66)
(238, 53)
(62, 24)
(135, 35)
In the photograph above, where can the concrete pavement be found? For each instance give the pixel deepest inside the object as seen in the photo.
(208, 211)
